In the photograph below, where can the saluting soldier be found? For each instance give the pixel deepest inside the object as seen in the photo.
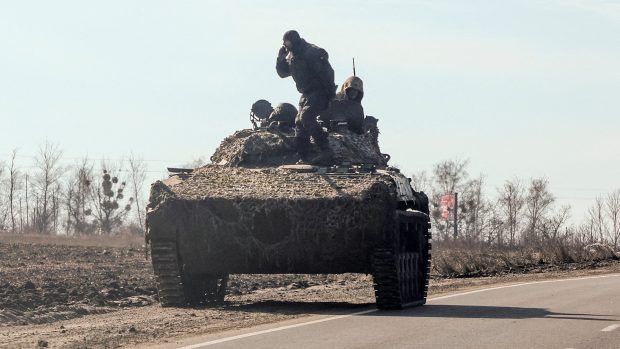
(314, 77)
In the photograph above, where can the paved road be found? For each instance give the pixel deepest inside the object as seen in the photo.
(577, 313)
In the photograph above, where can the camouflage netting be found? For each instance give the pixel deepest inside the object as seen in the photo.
(243, 213)
(272, 220)
(249, 148)
(245, 183)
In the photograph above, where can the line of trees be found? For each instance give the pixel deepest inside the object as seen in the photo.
(50, 198)
(523, 213)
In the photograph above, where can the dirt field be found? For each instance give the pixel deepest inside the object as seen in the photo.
(100, 293)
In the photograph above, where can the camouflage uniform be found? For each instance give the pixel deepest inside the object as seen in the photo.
(314, 78)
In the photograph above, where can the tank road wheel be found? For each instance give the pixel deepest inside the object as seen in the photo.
(401, 273)
(167, 273)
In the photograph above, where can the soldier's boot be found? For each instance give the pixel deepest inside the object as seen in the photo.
(302, 143)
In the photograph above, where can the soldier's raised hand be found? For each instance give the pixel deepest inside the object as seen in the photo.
(282, 53)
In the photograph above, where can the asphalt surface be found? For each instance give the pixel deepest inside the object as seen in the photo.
(573, 313)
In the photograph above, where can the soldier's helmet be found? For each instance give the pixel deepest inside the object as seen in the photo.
(259, 113)
(285, 113)
(261, 109)
(353, 82)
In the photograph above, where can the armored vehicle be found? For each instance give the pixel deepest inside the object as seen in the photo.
(255, 210)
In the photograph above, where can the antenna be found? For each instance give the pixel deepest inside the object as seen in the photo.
(353, 66)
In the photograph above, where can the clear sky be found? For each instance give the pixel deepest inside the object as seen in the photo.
(521, 88)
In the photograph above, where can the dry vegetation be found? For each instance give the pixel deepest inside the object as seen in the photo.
(452, 260)
(520, 230)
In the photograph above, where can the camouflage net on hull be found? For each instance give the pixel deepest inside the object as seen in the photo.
(273, 220)
(214, 181)
(254, 148)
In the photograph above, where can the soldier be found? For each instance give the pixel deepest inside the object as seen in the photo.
(283, 116)
(352, 89)
(314, 78)
(346, 107)
(352, 92)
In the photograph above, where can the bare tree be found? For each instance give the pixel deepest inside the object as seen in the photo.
(137, 177)
(494, 232)
(586, 231)
(597, 214)
(28, 227)
(612, 206)
(3, 211)
(55, 208)
(537, 203)
(450, 174)
(108, 197)
(510, 202)
(21, 217)
(449, 177)
(77, 198)
(473, 210)
(46, 180)
(555, 223)
(13, 187)
(420, 181)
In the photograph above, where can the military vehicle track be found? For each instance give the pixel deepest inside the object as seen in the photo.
(401, 277)
(166, 266)
(177, 288)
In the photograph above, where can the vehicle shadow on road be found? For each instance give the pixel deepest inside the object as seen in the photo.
(428, 310)
(298, 307)
(489, 312)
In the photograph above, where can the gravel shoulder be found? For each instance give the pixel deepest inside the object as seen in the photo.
(64, 294)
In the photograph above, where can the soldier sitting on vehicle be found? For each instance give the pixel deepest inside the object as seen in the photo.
(346, 108)
(352, 90)
(282, 117)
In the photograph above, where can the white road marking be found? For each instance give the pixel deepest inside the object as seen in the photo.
(520, 284)
(610, 328)
(330, 318)
(251, 334)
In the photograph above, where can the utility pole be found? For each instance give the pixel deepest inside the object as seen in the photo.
(456, 211)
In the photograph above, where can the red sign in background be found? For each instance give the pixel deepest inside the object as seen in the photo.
(447, 204)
